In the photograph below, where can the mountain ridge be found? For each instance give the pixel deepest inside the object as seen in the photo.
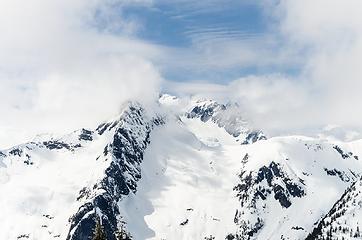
(190, 171)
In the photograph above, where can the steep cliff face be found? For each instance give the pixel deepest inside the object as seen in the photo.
(130, 137)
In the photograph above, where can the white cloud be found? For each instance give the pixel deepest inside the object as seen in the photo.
(327, 35)
(274, 103)
(69, 63)
(66, 64)
(331, 34)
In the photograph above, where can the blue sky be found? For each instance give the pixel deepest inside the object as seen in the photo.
(203, 30)
(176, 24)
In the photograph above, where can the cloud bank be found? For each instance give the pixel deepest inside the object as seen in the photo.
(323, 40)
(328, 36)
(67, 64)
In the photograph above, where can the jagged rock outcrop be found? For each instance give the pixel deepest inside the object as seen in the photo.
(227, 116)
(131, 133)
(255, 187)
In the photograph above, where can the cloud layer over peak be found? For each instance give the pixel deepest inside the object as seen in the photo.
(68, 64)
(291, 65)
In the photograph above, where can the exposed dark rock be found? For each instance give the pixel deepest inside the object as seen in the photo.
(102, 128)
(16, 152)
(334, 172)
(209, 237)
(23, 236)
(281, 196)
(227, 117)
(230, 237)
(254, 136)
(343, 154)
(48, 216)
(205, 112)
(184, 222)
(257, 226)
(297, 228)
(257, 186)
(56, 145)
(245, 158)
(131, 137)
(28, 162)
(280, 193)
(86, 135)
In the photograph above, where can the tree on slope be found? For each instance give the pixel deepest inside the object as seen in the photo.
(98, 233)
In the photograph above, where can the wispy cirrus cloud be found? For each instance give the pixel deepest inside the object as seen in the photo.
(230, 38)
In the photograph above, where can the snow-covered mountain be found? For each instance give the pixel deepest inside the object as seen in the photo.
(187, 169)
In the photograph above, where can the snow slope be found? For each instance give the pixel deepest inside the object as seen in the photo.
(288, 183)
(57, 188)
(185, 170)
(39, 187)
(187, 181)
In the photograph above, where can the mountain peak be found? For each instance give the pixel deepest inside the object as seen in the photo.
(162, 177)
